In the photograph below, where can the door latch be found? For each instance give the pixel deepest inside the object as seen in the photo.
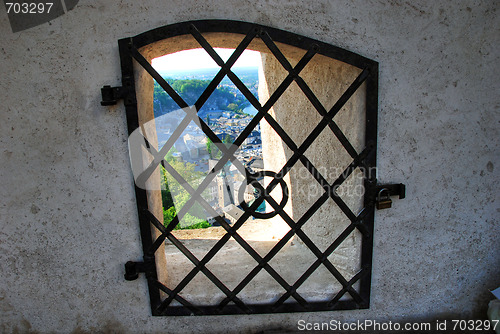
(384, 193)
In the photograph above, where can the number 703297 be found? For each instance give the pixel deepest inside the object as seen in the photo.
(28, 7)
(474, 325)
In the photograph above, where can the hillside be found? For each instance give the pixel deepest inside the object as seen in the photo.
(225, 97)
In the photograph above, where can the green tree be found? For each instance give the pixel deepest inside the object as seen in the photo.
(162, 102)
(213, 151)
(209, 147)
(175, 195)
(227, 140)
(232, 106)
(168, 215)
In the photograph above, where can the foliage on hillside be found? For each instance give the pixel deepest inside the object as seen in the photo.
(190, 90)
(213, 150)
(174, 195)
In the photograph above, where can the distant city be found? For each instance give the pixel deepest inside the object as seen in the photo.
(227, 112)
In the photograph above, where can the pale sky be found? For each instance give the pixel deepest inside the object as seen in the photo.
(199, 58)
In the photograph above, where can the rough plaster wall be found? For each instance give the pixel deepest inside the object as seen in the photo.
(68, 219)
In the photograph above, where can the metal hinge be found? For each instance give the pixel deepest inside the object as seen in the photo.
(132, 269)
(111, 95)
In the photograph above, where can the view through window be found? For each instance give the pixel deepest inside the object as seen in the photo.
(227, 112)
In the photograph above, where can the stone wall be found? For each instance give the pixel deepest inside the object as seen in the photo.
(68, 216)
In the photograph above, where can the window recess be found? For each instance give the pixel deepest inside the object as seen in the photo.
(288, 191)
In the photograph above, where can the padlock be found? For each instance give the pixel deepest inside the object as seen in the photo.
(383, 202)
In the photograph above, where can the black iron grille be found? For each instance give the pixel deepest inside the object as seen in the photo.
(290, 300)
